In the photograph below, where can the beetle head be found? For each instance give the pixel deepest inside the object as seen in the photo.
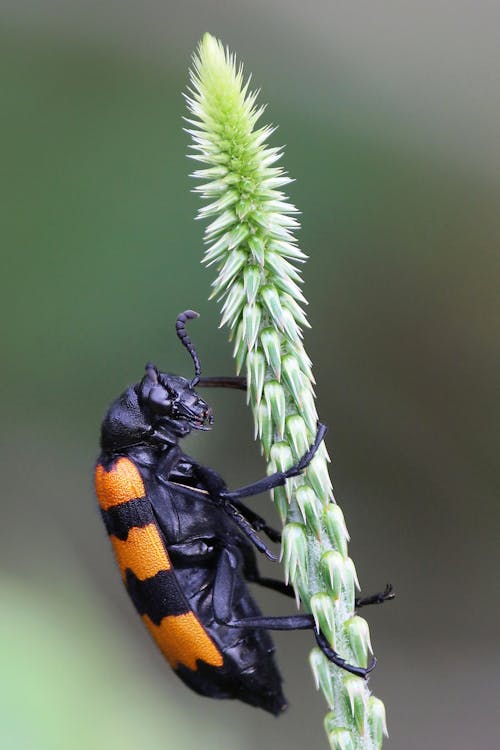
(172, 403)
(160, 409)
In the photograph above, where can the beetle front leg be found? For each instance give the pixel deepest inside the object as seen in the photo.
(278, 478)
(223, 381)
(211, 480)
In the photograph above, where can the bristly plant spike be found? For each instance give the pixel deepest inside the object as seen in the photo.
(251, 242)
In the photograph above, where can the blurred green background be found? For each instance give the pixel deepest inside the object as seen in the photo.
(390, 116)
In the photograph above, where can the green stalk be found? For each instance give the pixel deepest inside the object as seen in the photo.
(251, 243)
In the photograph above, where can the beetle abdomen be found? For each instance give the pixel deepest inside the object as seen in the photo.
(147, 570)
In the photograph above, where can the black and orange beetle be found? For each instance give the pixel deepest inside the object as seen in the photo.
(185, 543)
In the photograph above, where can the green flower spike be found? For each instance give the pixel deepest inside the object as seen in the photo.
(250, 241)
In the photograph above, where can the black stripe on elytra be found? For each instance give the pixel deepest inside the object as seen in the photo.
(119, 519)
(157, 596)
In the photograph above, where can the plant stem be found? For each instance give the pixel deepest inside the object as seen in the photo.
(251, 242)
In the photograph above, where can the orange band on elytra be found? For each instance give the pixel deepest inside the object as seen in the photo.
(119, 485)
(142, 552)
(183, 640)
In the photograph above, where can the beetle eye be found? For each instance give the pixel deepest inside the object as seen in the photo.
(172, 392)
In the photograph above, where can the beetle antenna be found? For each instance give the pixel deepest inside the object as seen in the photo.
(180, 327)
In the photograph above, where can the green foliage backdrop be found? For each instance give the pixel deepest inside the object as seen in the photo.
(101, 252)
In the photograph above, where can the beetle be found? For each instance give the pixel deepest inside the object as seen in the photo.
(184, 543)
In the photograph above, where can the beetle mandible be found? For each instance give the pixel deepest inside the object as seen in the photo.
(185, 543)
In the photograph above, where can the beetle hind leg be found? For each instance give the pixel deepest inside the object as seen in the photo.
(334, 657)
(223, 592)
(274, 584)
(382, 596)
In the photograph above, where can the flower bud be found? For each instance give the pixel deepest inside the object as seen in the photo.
(308, 409)
(309, 508)
(285, 284)
(232, 305)
(257, 248)
(282, 267)
(297, 312)
(280, 500)
(251, 323)
(323, 611)
(240, 348)
(336, 528)
(271, 345)
(233, 264)
(322, 673)
(294, 551)
(264, 426)
(377, 721)
(332, 568)
(275, 400)
(339, 738)
(294, 379)
(351, 583)
(292, 330)
(238, 234)
(317, 475)
(220, 224)
(256, 370)
(297, 433)
(270, 297)
(251, 280)
(357, 698)
(216, 251)
(287, 249)
(282, 456)
(227, 199)
(358, 632)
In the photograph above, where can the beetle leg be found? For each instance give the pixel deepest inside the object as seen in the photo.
(223, 381)
(231, 510)
(252, 575)
(302, 622)
(247, 529)
(383, 596)
(223, 591)
(285, 588)
(273, 583)
(224, 584)
(225, 578)
(210, 479)
(278, 478)
(216, 488)
(167, 462)
(258, 523)
(340, 662)
(195, 552)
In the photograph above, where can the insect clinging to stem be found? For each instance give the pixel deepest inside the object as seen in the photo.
(185, 544)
